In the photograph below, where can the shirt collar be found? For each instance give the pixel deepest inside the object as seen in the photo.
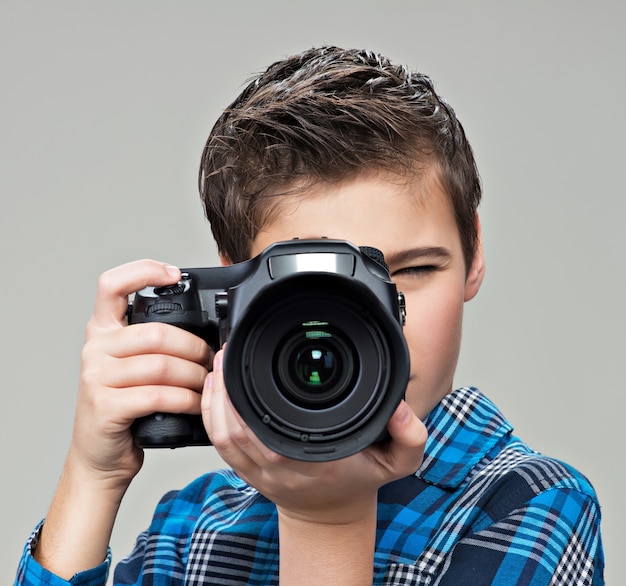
(462, 429)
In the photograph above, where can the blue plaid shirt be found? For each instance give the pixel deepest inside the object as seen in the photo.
(482, 509)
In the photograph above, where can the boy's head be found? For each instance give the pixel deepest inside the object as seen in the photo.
(323, 117)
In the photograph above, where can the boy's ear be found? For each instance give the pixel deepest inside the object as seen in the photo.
(224, 260)
(476, 271)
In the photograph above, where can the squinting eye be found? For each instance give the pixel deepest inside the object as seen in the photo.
(419, 270)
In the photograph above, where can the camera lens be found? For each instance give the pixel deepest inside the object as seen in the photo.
(315, 366)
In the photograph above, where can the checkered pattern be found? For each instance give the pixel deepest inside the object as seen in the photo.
(482, 509)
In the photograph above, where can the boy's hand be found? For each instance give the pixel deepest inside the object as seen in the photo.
(337, 492)
(326, 510)
(129, 372)
(126, 372)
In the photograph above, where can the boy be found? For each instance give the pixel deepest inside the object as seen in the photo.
(339, 144)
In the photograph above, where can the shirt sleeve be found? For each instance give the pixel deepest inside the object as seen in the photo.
(31, 573)
(553, 540)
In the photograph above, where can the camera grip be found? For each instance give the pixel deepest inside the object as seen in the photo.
(168, 430)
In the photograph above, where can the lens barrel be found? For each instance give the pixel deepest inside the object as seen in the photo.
(316, 367)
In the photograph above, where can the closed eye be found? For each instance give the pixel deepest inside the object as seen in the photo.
(418, 262)
(416, 271)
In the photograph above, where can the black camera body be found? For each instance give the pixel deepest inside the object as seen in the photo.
(316, 361)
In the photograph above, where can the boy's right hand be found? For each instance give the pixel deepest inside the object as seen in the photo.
(127, 372)
(130, 372)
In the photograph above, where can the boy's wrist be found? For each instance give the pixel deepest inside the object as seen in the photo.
(114, 479)
(330, 548)
(354, 512)
(76, 532)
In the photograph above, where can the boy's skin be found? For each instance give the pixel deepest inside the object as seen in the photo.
(327, 511)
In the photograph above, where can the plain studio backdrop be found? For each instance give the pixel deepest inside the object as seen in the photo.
(104, 111)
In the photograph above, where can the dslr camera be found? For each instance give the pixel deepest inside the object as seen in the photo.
(316, 361)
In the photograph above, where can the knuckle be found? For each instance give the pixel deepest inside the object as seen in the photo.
(190, 402)
(106, 281)
(155, 398)
(101, 403)
(240, 437)
(221, 440)
(202, 351)
(87, 351)
(197, 348)
(275, 459)
(92, 329)
(90, 371)
(159, 368)
(153, 335)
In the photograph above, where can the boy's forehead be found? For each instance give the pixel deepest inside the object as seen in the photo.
(386, 210)
(385, 190)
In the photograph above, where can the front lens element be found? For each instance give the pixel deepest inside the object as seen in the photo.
(315, 367)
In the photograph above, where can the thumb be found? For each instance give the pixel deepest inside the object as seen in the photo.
(408, 439)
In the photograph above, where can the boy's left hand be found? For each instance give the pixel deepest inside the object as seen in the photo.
(333, 492)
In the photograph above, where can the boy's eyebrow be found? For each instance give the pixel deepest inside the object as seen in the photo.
(430, 252)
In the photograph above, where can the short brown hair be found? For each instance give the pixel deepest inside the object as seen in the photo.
(326, 115)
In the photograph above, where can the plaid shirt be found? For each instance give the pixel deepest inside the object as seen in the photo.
(482, 509)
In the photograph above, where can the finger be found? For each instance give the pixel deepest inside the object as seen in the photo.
(153, 369)
(126, 405)
(405, 452)
(244, 438)
(214, 404)
(226, 432)
(115, 285)
(154, 338)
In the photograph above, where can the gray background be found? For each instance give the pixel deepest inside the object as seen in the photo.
(104, 111)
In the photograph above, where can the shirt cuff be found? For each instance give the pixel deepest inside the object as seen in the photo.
(31, 573)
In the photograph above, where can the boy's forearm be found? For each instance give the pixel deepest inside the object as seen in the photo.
(313, 553)
(77, 529)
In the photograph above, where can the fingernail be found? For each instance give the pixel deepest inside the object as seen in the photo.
(172, 271)
(402, 413)
(218, 361)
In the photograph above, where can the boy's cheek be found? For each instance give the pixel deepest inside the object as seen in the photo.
(433, 333)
